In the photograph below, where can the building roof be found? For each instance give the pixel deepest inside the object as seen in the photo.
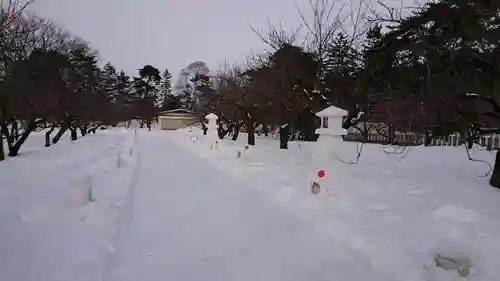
(332, 111)
(178, 110)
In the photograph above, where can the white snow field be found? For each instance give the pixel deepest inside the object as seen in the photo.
(120, 205)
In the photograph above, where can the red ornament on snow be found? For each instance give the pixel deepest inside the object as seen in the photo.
(321, 173)
(246, 146)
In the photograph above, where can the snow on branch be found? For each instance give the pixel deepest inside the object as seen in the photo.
(471, 95)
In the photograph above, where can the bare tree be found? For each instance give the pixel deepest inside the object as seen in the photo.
(326, 19)
(277, 36)
(390, 13)
(10, 12)
(357, 23)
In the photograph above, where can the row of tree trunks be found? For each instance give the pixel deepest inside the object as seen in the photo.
(15, 140)
(236, 131)
(47, 135)
(495, 176)
(15, 144)
(14, 130)
(73, 133)
(221, 132)
(265, 130)
(148, 123)
(203, 127)
(93, 129)
(2, 153)
(83, 130)
(60, 133)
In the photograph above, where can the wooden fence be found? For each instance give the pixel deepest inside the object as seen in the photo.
(491, 142)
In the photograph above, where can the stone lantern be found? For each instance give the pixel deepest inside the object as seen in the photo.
(212, 135)
(330, 149)
(331, 124)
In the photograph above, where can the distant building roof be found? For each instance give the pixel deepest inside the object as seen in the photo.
(178, 110)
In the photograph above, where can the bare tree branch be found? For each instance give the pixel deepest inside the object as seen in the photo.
(358, 155)
(479, 160)
(12, 10)
(277, 36)
(323, 25)
(402, 152)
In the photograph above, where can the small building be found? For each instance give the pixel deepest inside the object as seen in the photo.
(177, 119)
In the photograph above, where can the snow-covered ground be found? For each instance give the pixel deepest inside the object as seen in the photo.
(158, 206)
(394, 214)
(52, 226)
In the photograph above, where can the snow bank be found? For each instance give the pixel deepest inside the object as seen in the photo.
(59, 206)
(396, 214)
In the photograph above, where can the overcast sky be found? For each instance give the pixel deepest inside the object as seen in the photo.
(173, 33)
(168, 33)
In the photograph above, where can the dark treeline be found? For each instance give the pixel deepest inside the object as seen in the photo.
(51, 79)
(433, 71)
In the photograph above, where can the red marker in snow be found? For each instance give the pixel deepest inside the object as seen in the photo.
(246, 147)
(321, 174)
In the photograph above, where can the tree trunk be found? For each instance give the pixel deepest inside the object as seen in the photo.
(2, 153)
(428, 138)
(236, 132)
(392, 135)
(149, 125)
(14, 150)
(220, 131)
(47, 135)
(495, 177)
(204, 128)
(470, 140)
(14, 131)
(310, 131)
(83, 130)
(364, 133)
(265, 129)
(284, 132)
(74, 134)
(60, 133)
(251, 133)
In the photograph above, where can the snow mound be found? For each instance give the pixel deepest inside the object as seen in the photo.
(451, 212)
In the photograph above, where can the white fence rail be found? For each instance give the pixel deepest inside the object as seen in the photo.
(491, 142)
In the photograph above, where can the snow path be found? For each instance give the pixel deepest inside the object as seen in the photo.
(189, 220)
